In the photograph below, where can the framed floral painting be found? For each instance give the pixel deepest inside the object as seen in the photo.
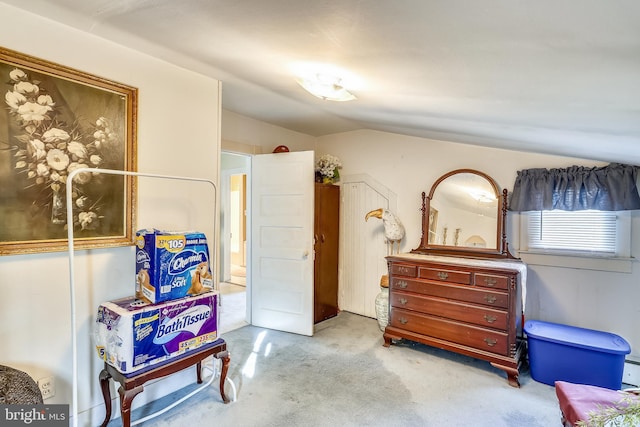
(55, 120)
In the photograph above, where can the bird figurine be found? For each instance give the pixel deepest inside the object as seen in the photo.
(393, 228)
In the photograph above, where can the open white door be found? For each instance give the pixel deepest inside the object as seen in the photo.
(282, 210)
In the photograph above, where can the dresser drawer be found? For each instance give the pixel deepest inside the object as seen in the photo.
(471, 294)
(445, 275)
(464, 312)
(449, 330)
(491, 281)
(403, 284)
(404, 270)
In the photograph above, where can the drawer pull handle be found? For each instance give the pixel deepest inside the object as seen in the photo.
(490, 299)
(403, 270)
(402, 284)
(490, 281)
(490, 319)
(403, 301)
(403, 320)
(490, 342)
(443, 275)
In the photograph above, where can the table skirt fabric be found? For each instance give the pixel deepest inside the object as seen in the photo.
(577, 401)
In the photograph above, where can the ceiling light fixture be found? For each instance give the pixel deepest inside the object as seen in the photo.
(326, 87)
(482, 196)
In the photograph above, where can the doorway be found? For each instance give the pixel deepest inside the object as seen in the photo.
(279, 270)
(238, 228)
(235, 169)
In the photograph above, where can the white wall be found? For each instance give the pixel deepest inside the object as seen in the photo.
(242, 134)
(178, 134)
(408, 166)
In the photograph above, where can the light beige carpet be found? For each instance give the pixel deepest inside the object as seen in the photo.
(238, 275)
(233, 307)
(343, 376)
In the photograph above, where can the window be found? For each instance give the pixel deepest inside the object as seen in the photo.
(584, 231)
(575, 238)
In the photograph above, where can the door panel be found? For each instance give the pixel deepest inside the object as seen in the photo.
(282, 193)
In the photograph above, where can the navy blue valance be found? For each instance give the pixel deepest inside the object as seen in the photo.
(608, 188)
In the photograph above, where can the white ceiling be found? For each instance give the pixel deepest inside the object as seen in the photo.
(550, 76)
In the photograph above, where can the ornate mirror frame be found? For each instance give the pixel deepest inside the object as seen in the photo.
(501, 249)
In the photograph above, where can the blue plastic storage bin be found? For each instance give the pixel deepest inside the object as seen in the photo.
(577, 355)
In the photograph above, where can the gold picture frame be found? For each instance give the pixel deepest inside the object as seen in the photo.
(55, 120)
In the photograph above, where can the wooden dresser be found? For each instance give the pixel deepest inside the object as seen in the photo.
(469, 306)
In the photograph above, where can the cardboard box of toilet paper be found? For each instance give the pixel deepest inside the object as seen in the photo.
(132, 334)
(171, 265)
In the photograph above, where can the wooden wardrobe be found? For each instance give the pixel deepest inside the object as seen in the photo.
(326, 229)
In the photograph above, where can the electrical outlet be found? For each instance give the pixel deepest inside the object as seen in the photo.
(47, 387)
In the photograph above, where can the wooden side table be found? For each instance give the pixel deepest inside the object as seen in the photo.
(132, 384)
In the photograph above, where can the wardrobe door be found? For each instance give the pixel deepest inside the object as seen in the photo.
(327, 219)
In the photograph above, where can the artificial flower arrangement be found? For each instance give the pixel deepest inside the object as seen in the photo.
(624, 413)
(327, 169)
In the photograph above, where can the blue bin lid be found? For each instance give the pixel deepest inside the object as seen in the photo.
(577, 337)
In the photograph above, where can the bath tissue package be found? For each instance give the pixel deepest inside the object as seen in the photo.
(132, 334)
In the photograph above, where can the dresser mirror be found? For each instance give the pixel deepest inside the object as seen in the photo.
(464, 214)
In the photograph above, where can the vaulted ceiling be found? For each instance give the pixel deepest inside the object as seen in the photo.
(551, 76)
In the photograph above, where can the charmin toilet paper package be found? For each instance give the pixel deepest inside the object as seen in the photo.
(132, 334)
(171, 265)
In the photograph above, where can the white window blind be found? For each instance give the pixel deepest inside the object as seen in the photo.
(575, 231)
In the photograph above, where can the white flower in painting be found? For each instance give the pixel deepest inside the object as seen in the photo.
(95, 159)
(100, 135)
(42, 169)
(57, 159)
(37, 149)
(17, 75)
(26, 88)
(32, 112)
(14, 100)
(55, 135)
(81, 201)
(78, 149)
(49, 148)
(82, 177)
(46, 100)
(87, 220)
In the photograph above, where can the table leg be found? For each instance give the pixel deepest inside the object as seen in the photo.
(104, 385)
(126, 397)
(199, 372)
(224, 355)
